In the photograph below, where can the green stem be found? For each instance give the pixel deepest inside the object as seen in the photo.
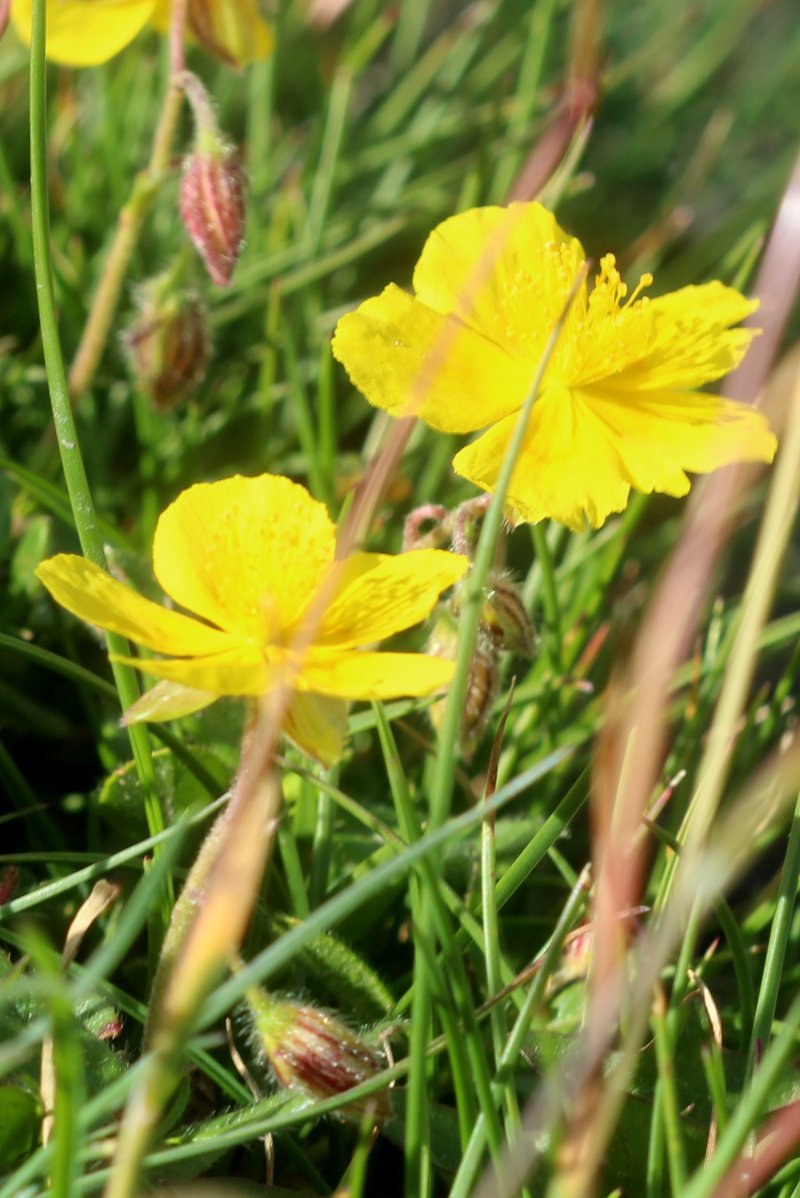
(654, 1173)
(665, 1057)
(491, 931)
(779, 936)
(714, 1070)
(741, 965)
(552, 610)
(321, 851)
(494, 971)
(147, 435)
(63, 1053)
(80, 497)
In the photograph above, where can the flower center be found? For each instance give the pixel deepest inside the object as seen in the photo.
(606, 329)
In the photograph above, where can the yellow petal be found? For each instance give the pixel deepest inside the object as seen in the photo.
(378, 595)
(366, 675)
(232, 30)
(92, 595)
(568, 470)
(83, 33)
(318, 726)
(505, 271)
(585, 450)
(239, 671)
(341, 675)
(167, 701)
(660, 435)
(245, 553)
(692, 342)
(412, 361)
(710, 303)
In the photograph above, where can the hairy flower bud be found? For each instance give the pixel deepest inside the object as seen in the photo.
(168, 344)
(483, 680)
(505, 619)
(213, 209)
(483, 684)
(316, 1053)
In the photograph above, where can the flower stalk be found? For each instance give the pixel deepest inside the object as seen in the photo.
(131, 219)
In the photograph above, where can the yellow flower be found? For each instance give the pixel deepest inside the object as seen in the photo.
(82, 33)
(618, 406)
(251, 558)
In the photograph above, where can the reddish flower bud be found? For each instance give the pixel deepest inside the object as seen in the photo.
(314, 1052)
(213, 209)
(168, 344)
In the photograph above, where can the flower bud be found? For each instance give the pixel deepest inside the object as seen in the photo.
(437, 536)
(168, 344)
(315, 1053)
(483, 680)
(505, 619)
(213, 209)
(574, 964)
(483, 684)
(212, 189)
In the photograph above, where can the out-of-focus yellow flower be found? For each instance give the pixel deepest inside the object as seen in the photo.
(252, 558)
(83, 33)
(619, 405)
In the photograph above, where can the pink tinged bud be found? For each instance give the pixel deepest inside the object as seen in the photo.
(467, 520)
(315, 1053)
(574, 965)
(213, 209)
(437, 536)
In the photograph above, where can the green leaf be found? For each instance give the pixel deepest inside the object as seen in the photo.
(20, 1116)
(33, 546)
(120, 801)
(445, 1141)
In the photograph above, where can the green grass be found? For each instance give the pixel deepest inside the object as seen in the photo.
(434, 909)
